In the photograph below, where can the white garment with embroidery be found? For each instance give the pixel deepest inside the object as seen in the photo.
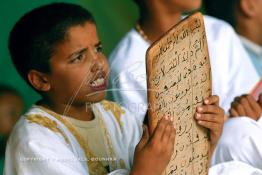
(42, 144)
(241, 140)
(232, 71)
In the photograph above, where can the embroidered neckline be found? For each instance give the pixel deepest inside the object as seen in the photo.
(116, 110)
(95, 167)
(46, 122)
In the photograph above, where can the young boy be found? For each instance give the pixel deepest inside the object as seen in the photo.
(73, 130)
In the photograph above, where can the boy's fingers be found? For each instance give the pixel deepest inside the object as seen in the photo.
(171, 141)
(245, 104)
(173, 136)
(167, 133)
(160, 128)
(237, 99)
(254, 105)
(252, 101)
(209, 109)
(208, 117)
(239, 108)
(206, 124)
(214, 99)
(233, 113)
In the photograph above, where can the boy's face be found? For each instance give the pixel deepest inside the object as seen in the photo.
(79, 70)
(11, 107)
(259, 16)
(184, 5)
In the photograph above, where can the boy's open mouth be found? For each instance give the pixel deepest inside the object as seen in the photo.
(99, 83)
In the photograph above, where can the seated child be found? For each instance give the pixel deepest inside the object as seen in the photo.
(11, 106)
(73, 130)
(242, 134)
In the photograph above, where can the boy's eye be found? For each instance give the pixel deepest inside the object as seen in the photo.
(78, 58)
(99, 49)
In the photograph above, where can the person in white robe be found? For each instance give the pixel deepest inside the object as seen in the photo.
(72, 130)
(232, 71)
(44, 142)
(241, 139)
(245, 17)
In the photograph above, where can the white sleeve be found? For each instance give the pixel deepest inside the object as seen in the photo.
(128, 74)
(127, 135)
(234, 168)
(132, 133)
(47, 154)
(233, 73)
(125, 131)
(241, 140)
(129, 93)
(243, 76)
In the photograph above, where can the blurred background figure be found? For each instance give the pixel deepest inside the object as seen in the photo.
(11, 107)
(246, 17)
(245, 146)
(232, 71)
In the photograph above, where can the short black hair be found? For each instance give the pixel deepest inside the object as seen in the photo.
(222, 9)
(34, 37)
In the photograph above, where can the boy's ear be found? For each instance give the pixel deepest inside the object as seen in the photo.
(248, 8)
(38, 80)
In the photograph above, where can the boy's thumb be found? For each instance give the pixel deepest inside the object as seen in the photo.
(144, 139)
